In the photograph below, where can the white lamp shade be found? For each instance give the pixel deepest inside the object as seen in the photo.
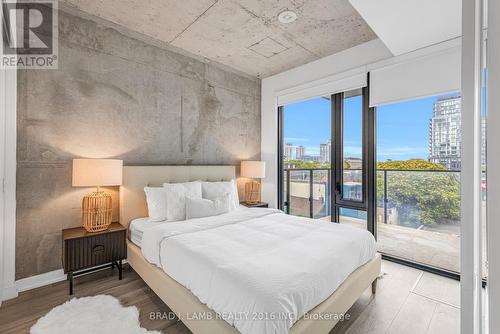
(253, 169)
(97, 172)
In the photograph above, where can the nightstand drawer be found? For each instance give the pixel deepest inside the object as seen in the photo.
(80, 253)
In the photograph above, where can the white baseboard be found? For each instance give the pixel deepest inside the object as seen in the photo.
(37, 281)
(9, 292)
(32, 282)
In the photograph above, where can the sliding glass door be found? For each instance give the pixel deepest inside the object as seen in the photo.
(354, 144)
(409, 199)
(325, 161)
(306, 158)
(419, 183)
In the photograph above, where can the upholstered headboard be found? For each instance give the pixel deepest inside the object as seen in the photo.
(135, 178)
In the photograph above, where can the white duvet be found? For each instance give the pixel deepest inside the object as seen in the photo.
(259, 269)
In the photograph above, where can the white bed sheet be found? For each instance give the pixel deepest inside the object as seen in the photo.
(138, 226)
(259, 269)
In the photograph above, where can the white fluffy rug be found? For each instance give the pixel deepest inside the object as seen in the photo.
(97, 315)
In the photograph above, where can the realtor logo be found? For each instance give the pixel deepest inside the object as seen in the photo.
(29, 34)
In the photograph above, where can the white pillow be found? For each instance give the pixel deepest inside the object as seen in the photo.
(213, 190)
(156, 199)
(201, 207)
(176, 198)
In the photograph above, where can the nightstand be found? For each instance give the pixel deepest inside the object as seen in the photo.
(256, 205)
(85, 252)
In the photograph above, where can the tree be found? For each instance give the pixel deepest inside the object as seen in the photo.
(412, 164)
(300, 164)
(424, 197)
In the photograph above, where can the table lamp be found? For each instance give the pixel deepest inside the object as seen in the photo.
(253, 170)
(96, 206)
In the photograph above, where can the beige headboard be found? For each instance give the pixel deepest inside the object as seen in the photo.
(135, 178)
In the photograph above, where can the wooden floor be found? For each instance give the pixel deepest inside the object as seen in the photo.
(407, 301)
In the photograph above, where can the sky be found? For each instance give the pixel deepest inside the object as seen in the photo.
(402, 128)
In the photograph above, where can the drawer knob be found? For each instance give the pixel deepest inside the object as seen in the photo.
(98, 249)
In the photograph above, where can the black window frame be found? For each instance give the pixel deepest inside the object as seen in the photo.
(368, 203)
(369, 171)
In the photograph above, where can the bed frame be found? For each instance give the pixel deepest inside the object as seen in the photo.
(179, 299)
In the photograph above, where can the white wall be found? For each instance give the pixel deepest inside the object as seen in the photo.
(2, 176)
(399, 24)
(470, 243)
(329, 69)
(493, 156)
(8, 96)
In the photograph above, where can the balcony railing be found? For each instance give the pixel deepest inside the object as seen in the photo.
(420, 199)
(418, 211)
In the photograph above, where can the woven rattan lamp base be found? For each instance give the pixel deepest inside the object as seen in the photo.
(96, 211)
(252, 192)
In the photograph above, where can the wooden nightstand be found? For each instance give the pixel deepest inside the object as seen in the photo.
(256, 205)
(84, 252)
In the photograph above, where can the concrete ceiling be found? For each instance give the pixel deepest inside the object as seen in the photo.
(242, 34)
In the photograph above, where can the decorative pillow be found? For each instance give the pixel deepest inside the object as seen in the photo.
(201, 207)
(156, 198)
(176, 198)
(213, 190)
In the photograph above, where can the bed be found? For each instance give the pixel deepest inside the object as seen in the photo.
(206, 276)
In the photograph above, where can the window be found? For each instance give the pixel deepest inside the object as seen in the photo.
(307, 158)
(418, 180)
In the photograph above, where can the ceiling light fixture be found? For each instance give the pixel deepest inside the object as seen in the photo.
(287, 16)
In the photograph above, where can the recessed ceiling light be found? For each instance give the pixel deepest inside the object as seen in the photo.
(287, 16)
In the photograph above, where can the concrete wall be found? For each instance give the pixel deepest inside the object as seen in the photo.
(117, 96)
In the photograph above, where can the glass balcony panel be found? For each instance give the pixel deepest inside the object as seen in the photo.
(352, 217)
(382, 210)
(423, 217)
(353, 185)
(299, 193)
(321, 194)
(285, 191)
(418, 212)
